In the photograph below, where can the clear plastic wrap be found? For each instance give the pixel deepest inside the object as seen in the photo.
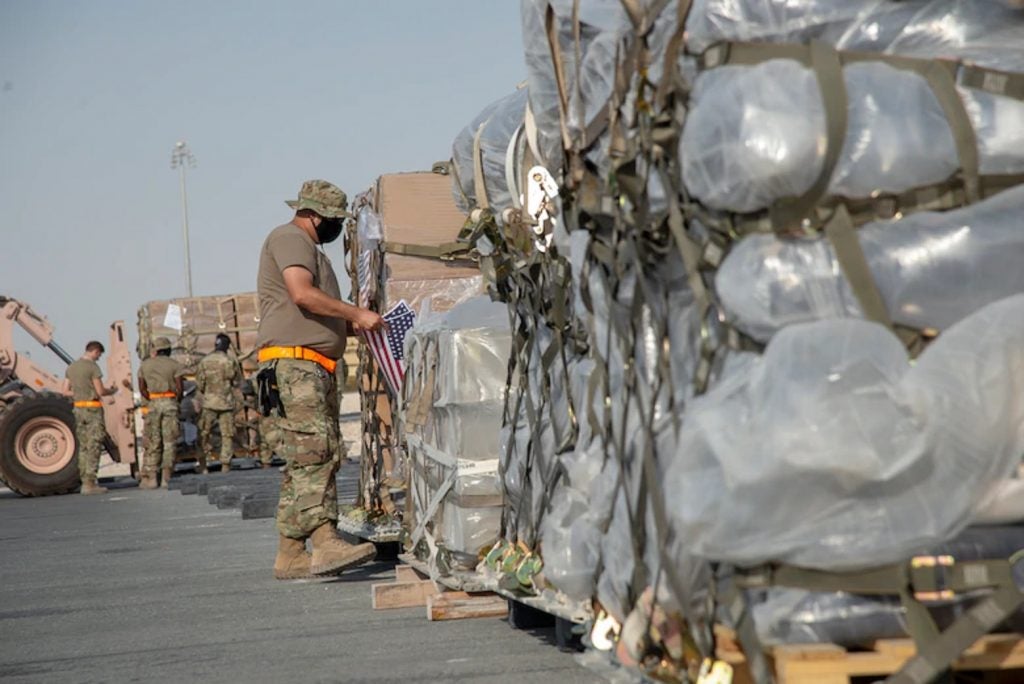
(834, 420)
(500, 120)
(931, 268)
(988, 32)
(457, 364)
(435, 295)
(795, 616)
(755, 134)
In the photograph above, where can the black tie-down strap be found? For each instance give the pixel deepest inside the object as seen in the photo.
(921, 579)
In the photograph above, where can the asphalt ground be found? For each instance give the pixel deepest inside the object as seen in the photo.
(158, 586)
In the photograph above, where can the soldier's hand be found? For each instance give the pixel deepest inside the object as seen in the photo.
(369, 321)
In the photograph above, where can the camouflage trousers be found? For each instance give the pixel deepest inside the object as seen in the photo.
(308, 441)
(270, 436)
(161, 434)
(225, 420)
(89, 433)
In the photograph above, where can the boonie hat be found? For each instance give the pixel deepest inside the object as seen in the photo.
(161, 343)
(324, 198)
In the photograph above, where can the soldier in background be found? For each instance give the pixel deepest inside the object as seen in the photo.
(216, 379)
(160, 384)
(303, 323)
(83, 383)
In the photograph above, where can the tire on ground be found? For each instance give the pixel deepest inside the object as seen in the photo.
(38, 451)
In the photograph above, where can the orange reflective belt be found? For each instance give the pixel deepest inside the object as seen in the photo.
(162, 395)
(88, 404)
(144, 409)
(303, 353)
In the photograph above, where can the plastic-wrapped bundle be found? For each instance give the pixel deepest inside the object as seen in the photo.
(754, 134)
(457, 366)
(795, 616)
(989, 32)
(832, 451)
(932, 269)
(604, 24)
(501, 121)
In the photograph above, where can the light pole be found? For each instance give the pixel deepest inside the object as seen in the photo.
(182, 157)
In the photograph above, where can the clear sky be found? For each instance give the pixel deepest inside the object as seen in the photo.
(94, 94)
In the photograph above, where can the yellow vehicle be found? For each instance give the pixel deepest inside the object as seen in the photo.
(37, 437)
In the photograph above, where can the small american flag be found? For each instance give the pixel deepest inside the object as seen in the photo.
(388, 348)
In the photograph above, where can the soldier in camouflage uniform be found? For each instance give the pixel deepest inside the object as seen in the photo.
(216, 378)
(303, 324)
(160, 384)
(83, 383)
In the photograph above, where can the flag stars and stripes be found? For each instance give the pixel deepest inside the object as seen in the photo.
(388, 348)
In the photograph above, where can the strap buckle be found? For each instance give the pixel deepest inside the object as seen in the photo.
(931, 577)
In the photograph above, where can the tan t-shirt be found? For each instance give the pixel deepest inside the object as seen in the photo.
(282, 323)
(159, 372)
(80, 373)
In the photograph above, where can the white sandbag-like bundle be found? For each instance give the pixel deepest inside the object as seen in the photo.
(785, 249)
(451, 416)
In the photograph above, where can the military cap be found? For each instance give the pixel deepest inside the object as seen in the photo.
(324, 198)
(161, 343)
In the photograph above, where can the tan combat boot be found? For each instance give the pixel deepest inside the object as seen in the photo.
(331, 555)
(292, 561)
(148, 481)
(225, 468)
(201, 465)
(89, 486)
(167, 477)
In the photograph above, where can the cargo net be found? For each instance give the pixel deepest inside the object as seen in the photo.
(384, 465)
(380, 466)
(771, 314)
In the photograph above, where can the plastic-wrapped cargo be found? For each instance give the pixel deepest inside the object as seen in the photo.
(498, 128)
(834, 419)
(454, 393)
(402, 245)
(739, 408)
(932, 269)
(796, 616)
(753, 135)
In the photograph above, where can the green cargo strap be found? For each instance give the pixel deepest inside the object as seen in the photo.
(940, 75)
(942, 196)
(937, 655)
(843, 238)
(788, 213)
(512, 152)
(993, 81)
(551, 30)
(479, 187)
(670, 65)
(734, 602)
(447, 250)
(943, 86)
(458, 183)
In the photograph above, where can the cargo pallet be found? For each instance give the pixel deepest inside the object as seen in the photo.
(997, 658)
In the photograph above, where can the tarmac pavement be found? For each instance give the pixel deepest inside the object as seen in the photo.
(157, 586)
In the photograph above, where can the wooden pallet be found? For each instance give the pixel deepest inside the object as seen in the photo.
(999, 656)
(413, 587)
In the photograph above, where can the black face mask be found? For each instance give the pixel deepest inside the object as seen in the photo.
(328, 230)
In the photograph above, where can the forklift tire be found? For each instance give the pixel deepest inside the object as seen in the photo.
(38, 451)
